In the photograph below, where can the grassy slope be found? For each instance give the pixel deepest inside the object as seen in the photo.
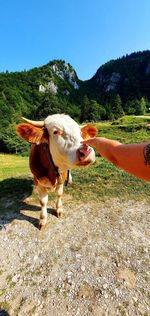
(99, 181)
(13, 166)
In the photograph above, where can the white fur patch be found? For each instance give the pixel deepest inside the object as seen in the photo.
(65, 140)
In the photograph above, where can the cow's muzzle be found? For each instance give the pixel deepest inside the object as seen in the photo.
(85, 155)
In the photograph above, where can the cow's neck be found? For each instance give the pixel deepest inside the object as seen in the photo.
(51, 162)
(61, 175)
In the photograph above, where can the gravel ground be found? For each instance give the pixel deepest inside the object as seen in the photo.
(92, 262)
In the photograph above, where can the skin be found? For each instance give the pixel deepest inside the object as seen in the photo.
(133, 158)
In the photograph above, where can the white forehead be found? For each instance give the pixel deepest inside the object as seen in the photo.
(64, 122)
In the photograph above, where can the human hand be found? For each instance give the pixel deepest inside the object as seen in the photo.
(91, 142)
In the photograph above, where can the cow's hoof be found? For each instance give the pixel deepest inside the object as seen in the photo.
(41, 226)
(59, 213)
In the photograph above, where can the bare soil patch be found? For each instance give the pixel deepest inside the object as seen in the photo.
(92, 262)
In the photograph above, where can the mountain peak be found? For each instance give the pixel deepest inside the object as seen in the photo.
(124, 75)
(65, 71)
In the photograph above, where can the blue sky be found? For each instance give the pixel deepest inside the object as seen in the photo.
(85, 33)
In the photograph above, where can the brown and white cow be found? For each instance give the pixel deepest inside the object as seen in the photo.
(55, 148)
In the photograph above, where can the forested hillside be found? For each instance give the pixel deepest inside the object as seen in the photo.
(122, 85)
(35, 93)
(119, 87)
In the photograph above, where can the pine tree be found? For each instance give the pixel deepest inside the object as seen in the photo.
(117, 109)
(85, 109)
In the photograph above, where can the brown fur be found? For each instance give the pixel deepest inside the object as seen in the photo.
(39, 153)
(88, 131)
(45, 174)
(40, 163)
(32, 134)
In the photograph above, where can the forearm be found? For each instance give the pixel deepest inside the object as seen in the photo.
(133, 158)
(107, 148)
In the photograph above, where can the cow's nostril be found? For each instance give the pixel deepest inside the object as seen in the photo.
(83, 152)
(81, 155)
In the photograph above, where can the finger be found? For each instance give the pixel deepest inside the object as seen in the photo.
(85, 142)
(88, 142)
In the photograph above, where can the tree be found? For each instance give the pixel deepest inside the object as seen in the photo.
(49, 105)
(85, 109)
(117, 108)
(143, 105)
(109, 113)
(129, 107)
(137, 107)
(13, 142)
(94, 111)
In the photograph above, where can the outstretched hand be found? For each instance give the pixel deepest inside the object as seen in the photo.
(94, 142)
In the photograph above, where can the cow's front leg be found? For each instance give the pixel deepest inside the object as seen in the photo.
(43, 197)
(59, 193)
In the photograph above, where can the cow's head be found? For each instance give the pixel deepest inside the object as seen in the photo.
(64, 137)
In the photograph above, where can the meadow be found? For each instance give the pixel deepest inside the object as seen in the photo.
(100, 181)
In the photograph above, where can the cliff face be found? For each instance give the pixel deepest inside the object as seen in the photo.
(65, 72)
(60, 76)
(120, 86)
(128, 76)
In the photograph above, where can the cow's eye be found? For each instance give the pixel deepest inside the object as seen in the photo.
(55, 132)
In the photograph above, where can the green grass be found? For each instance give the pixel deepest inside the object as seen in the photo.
(15, 181)
(100, 181)
(128, 129)
(103, 180)
(13, 166)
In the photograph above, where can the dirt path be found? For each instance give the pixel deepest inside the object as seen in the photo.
(94, 261)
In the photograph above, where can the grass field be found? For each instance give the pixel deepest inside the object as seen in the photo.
(102, 180)
(13, 166)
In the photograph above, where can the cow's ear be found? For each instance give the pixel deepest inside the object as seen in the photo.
(88, 131)
(32, 134)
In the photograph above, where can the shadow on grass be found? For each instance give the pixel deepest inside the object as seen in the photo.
(3, 312)
(13, 193)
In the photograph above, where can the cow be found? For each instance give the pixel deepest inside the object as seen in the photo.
(55, 149)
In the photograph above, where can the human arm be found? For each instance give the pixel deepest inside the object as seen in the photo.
(133, 158)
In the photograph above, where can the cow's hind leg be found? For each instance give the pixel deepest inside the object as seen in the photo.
(43, 197)
(59, 193)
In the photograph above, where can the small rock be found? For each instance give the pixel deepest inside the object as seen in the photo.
(117, 292)
(35, 257)
(15, 278)
(78, 256)
(82, 268)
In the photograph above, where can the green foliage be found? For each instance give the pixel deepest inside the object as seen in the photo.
(14, 142)
(137, 107)
(20, 96)
(99, 181)
(117, 109)
(127, 129)
(91, 110)
(128, 77)
(85, 109)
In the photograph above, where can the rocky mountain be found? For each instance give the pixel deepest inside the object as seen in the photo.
(36, 93)
(119, 87)
(59, 70)
(128, 76)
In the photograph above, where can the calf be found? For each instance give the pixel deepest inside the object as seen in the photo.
(55, 148)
